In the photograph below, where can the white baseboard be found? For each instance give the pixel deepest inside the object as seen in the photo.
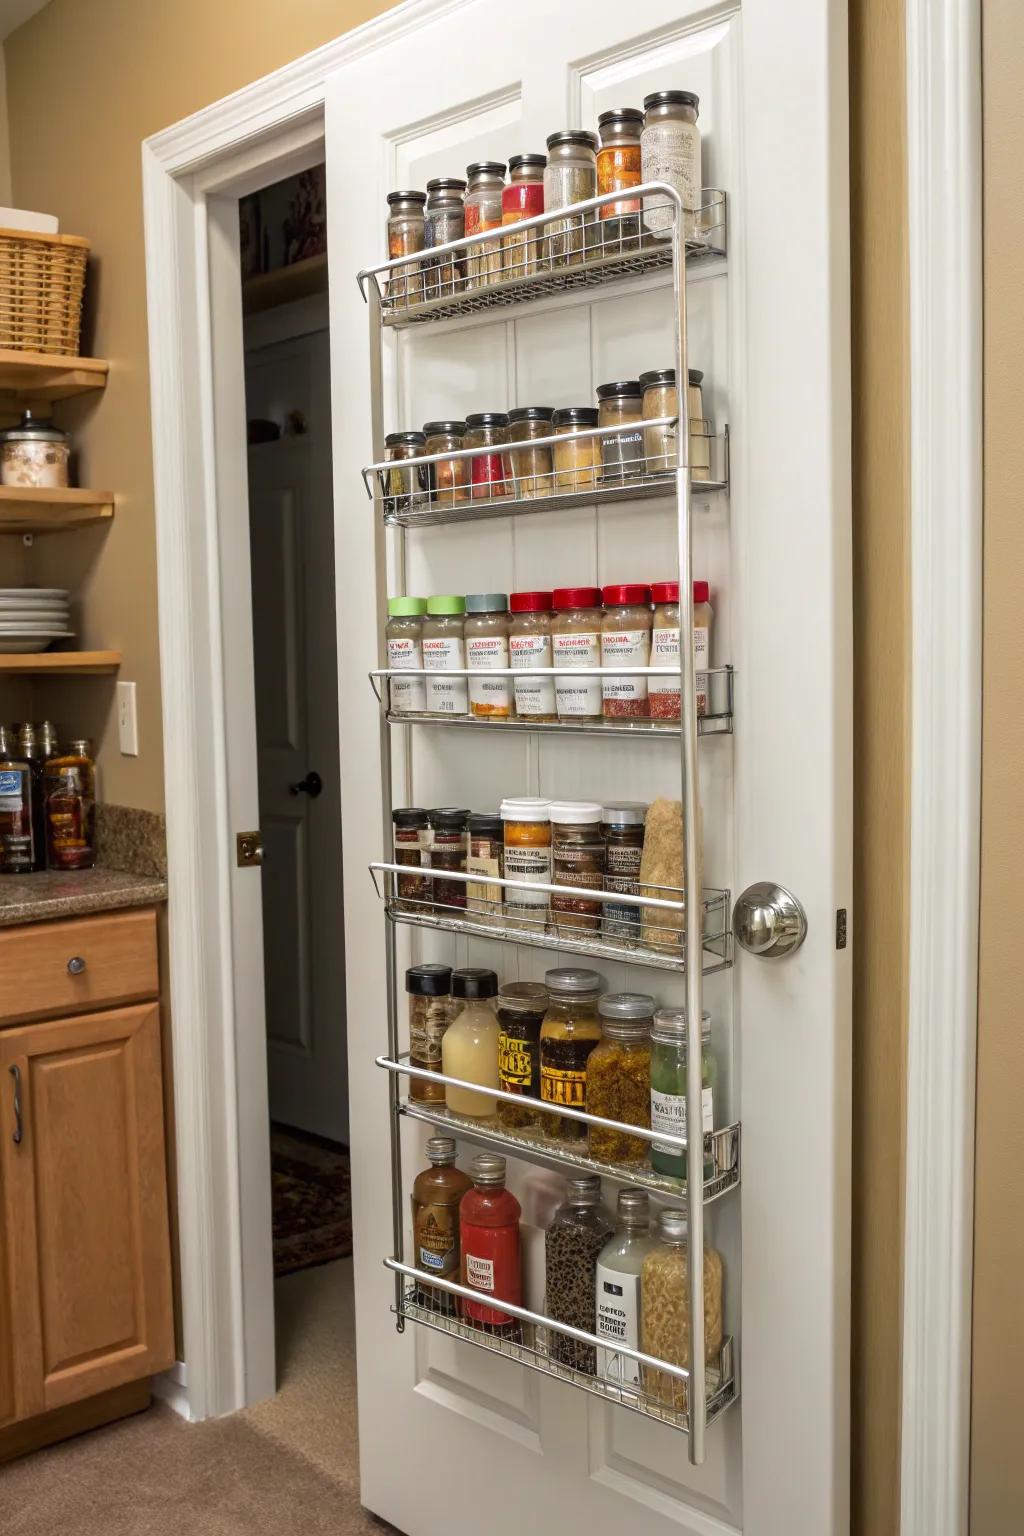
(171, 1387)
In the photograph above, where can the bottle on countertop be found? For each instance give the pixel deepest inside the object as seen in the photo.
(31, 749)
(69, 804)
(15, 808)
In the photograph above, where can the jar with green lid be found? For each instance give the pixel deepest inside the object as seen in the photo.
(619, 1077)
(444, 651)
(404, 633)
(570, 1031)
(668, 1088)
(521, 1009)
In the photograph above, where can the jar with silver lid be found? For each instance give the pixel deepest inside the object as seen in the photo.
(670, 151)
(570, 177)
(35, 453)
(444, 220)
(486, 182)
(619, 168)
(405, 238)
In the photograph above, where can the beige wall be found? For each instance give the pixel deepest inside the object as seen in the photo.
(997, 1456)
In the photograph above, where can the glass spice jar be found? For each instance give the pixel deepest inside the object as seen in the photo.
(444, 651)
(670, 152)
(577, 461)
(488, 472)
(577, 858)
(490, 697)
(484, 858)
(521, 1009)
(428, 988)
(486, 183)
(575, 643)
(664, 694)
(447, 852)
(579, 1229)
(411, 850)
(444, 220)
(622, 453)
(668, 1088)
(404, 490)
(665, 1308)
(523, 198)
(618, 169)
(527, 840)
(35, 454)
(489, 1239)
(625, 642)
(436, 1195)
(529, 645)
(619, 1266)
(469, 1049)
(660, 398)
(69, 798)
(404, 635)
(532, 468)
(570, 1031)
(405, 238)
(622, 825)
(619, 1077)
(570, 177)
(448, 481)
(700, 428)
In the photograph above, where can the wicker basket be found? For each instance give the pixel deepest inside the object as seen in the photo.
(42, 278)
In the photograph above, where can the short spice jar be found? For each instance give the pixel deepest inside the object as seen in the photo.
(664, 692)
(576, 643)
(444, 651)
(570, 177)
(577, 858)
(670, 152)
(447, 853)
(490, 697)
(666, 1320)
(404, 635)
(529, 645)
(444, 220)
(660, 398)
(579, 1229)
(447, 481)
(485, 184)
(527, 828)
(699, 427)
(35, 454)
(428, 988)
(489, 473)
(577, 461)
(622, 825)
(668, 1088)
(484, 857)
(413, 890)
(618, 169)
(625, 642)
(532, 468)
(469, 1049)
(622, 453)
(570, 1031)
(619, 1077)
(404, 490)
(522, 198)
(521, 1009)
(405, 238)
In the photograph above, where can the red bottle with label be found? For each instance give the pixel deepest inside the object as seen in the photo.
(491, 1259)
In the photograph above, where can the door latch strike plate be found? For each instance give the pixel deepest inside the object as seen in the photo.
(841, 928)
(248, 849)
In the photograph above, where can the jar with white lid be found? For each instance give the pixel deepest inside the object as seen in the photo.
(34, 454)
(527, 823)
(486, 181)
(670, 152)
(570, 177)
(577, 859)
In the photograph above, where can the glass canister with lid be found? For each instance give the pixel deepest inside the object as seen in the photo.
(404, 490)
(570, 1031)
(469, 1049)
(448, 480)
(577, 461)
(428, 988)
(527, 822)
(444, 651)
(490, 697)
(484, 857)
(486, 182)
(522, 198)
(660, 398)
(622, 453)
(700, 428)
(404, 635)
(405, 238)
(529, 645)
(488, 472)
(35, 454)
(664, 694)
(618, 169)
(576, 643)
(521, 1009)
(447, 852)
(570, 177)
(619, 1077)
(532, 468)
(625, 642)
(622, 823)
(412, 843)
(665, 1307)
(619, 1265)
(579, 1229)
(444, 220)
(577, 859)
(670, 152)
(668, 1088)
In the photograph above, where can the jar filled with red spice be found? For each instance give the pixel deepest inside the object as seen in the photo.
(489, 472)
(663, 692)
(626, 642)
(523, 198)
(491, 1257)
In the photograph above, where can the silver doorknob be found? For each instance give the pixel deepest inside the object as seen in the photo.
(769, 921)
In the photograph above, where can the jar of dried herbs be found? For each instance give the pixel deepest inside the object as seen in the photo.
(570, 1031)
(448, 480)
(579, 1230)
(411, 843)
(448, 852)
(619, 1077)
(571, 177)
(577, 859)
(521, 1009)
(668, 1088)
(485, 859)
(622, 824)
(429, 992)
(665, 1327)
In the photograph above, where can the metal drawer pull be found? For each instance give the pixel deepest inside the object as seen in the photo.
(19, 1128)
(76, 965)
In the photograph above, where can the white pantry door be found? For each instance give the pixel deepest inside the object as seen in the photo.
(452, 1441)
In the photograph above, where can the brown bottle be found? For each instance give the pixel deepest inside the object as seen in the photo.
(16, 848)
(435, 1221)
(31, 750)
(70, 808)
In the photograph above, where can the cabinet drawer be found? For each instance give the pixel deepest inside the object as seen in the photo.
(49, 969)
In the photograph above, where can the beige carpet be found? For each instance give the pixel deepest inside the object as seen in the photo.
(289, 1467)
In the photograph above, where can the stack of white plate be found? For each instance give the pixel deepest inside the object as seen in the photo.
(32, 618)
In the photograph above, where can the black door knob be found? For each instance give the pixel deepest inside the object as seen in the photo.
(311, 785)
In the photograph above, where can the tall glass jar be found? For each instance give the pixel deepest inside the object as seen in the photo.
(523, 198)
(484, 857)
(428, 988)
(619, 1077)
(575, 643)
(622, 823)
(521, 1009)
(68, 788)
(577, 859)
(490, 697)
(490, 1243)
(448, 481)
(529, 645)
(412, 842)
(488, 472)
(665, 1307)
(404, 490)
(531, 467)
(527, 823)
(444, 651)
(660, 398)
(570, 177)
(699, 426)
(405, 238)
(404, 634)
(469, 1049)
(625, 642)
(619, 1265)
(670, 151)
(570, 1031)
(663, 692)
(622, 452)
(447, 853)
(618, 169)
(486, 182)
(444, 220)
(579, 1229)
(577, 461)
(668, 1088)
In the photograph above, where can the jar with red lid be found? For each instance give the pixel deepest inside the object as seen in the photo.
(490, 1259)
(663, 692)
(576, 643)
(489, 472)
(529, 646)
(522, 198)
(626, 642)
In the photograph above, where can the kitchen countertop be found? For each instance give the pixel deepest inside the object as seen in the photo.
(49, 894)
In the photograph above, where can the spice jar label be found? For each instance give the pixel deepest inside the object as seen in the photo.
(618, 1319)
(483, 654)
(628, 648)
(518, 1065)
(483, 859)
(427, 1026)
(668, 1114)
(533, 867)
(577, 649)
(618, 167)
(408, 696)
(441, 654)
(701, 660)
(665, 653)
(564, 1085)
(535, 695)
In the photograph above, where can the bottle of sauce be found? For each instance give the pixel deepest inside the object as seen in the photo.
(69, 795)
(619, 1265)
(30, 748)
(469, 1049)
(491, 1257)
(570, 1031)
(16, 851)
(436, 1196)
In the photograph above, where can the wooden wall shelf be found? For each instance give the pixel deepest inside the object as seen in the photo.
(62, 663)
(26, 510)
(34, 376)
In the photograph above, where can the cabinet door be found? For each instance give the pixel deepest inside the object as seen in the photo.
(85, 1205)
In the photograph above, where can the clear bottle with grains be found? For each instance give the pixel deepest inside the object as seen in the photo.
(436, 1195)
(523, 198)
(660, 398)
(404, 635)
(485, 184)
(532, 468)
(570, 177)
(405, 238)
(469, 1049)
(576, 643)
(619, 1266)
(16, 848)
(670, 152)
(529, 646)
(447, 481)
(619, 1077)
(570, 1031)
(668, 1088)
(489, 473)
(618, 169)
(444, 220)
(577, 461)
(34, 454)
(527, 825)
(579, 1230)
(404, 489)
(69, 800)
(428, 988)
(521, 1009)
(444, 651)
(625, 642)
(622, 824)
(490, 696)
(665, 1323)
(577, 859)
(622, 453)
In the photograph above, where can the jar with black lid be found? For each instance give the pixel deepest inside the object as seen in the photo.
(576, 460)
(448, 481)
(618, 168)
(483, 211)
(411, 839)
(523, 198)
(404, 489)
(405, 238)
(570, 177)
(444, 220)
(622, 824)
(660, 398)
(448, 852)
(429, 991)
(488, 472)
(484, 857)
(622, 453)
(670, 151)
(532, 468)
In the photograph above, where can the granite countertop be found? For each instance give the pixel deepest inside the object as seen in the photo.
(34, 898)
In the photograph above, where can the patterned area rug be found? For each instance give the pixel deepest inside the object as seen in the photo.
(312, 1200)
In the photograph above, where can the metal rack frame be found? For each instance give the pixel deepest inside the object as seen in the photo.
(593, 269)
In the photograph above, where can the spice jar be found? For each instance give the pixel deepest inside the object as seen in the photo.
(448, 481)
(625, 642)
(529, 645)
(531, 467)
(490, 698)
(404, 634)
(521, 1009)
(579, 1229)
(444, 220)
(570, 177)
(489, 1238)
(469, 1049)
(69, 799)
(447, 852)
(405, 238)
(523, 198)
(404, 490)
(664, 692)
(577, 858)
(570, 1031)
(444, 651)
(618, 168)
(429, 991)
(34, 453)
(670, 151)
(527, 826)
(575, 643)
(436, 1195)
(619, 1077)
(621, 452)
(668, 1088)
(484, 858)
(488, 472)
(703, 617)
(411, 850)
(619, 1265)
(486, 183)
(577, 460)
(665, 1307)
(660, 398)
(622, 825)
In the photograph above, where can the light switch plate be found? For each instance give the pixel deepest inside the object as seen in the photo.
(127, 720)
